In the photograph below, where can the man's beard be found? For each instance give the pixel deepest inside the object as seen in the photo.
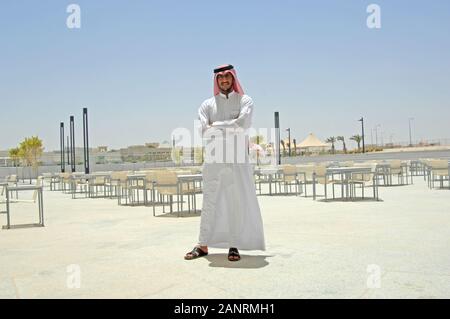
(227, 91)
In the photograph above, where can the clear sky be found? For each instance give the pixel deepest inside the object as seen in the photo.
(144, 67)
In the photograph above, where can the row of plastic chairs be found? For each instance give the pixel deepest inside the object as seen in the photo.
(158, 186)
(436, 171)
(301, 175)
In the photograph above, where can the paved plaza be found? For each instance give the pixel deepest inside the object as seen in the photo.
(93, 248)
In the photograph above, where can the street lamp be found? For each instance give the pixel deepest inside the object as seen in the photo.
(61, 142)
(86, 141)
(277, 136)
(362, 132)
(68, 151)
(72, 144)
(376, 133)
(410, 136)
(289, 138)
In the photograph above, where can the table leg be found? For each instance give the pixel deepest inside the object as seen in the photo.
(42, 207)
(314, 186)
(345, 175)
(195, 198)
(145, 192)
(8, 223)
(270, 184)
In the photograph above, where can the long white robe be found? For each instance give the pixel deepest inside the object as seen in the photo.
(230, 215)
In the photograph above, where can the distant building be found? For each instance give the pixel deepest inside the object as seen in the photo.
(149, 152)
(5, 161)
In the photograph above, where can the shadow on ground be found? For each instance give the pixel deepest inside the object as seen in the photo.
(343, 200)
(246, 262)
(180, 214)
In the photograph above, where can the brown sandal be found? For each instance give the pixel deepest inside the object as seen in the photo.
(195, 253)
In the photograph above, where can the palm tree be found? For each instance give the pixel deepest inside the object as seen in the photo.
(342, 139)
(331, 140)
(295, 146)
(257, 139)
(357, 138)
(284, 147)
(14, 154)
(31, 150)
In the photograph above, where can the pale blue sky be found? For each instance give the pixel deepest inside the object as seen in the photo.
(144, 67)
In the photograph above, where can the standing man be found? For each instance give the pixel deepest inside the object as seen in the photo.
(231, 217)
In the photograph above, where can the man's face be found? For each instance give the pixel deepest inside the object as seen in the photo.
(225, 82)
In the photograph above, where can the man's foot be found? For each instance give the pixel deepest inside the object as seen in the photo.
(233, 254)
(196, 253)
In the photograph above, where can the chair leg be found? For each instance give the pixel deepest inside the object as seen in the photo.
(163, 204)
(154, 208)
(362, 185)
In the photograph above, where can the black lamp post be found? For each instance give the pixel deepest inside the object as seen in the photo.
(68, 151)
(86, 141)
(277, 137)
(362, 132)
(62, 148)
(72, 144)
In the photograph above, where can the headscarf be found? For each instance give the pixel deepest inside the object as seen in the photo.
(222, 70)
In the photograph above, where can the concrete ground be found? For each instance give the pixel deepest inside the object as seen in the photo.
(93, 248)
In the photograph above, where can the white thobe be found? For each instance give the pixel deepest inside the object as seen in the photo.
(230, 215)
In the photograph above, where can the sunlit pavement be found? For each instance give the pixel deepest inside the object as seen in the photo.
(93, 248)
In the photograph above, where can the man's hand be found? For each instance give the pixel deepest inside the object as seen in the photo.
(218, 124)
(224, 124)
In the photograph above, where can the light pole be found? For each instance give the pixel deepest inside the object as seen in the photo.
(72, 144)
(277, 137)
(61, 141)
(86, 141)
(362, 132)
(376, 133)
(410, 135)
(289, 138)
(68, 151)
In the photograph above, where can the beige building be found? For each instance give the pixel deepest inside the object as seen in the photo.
(101, 155)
